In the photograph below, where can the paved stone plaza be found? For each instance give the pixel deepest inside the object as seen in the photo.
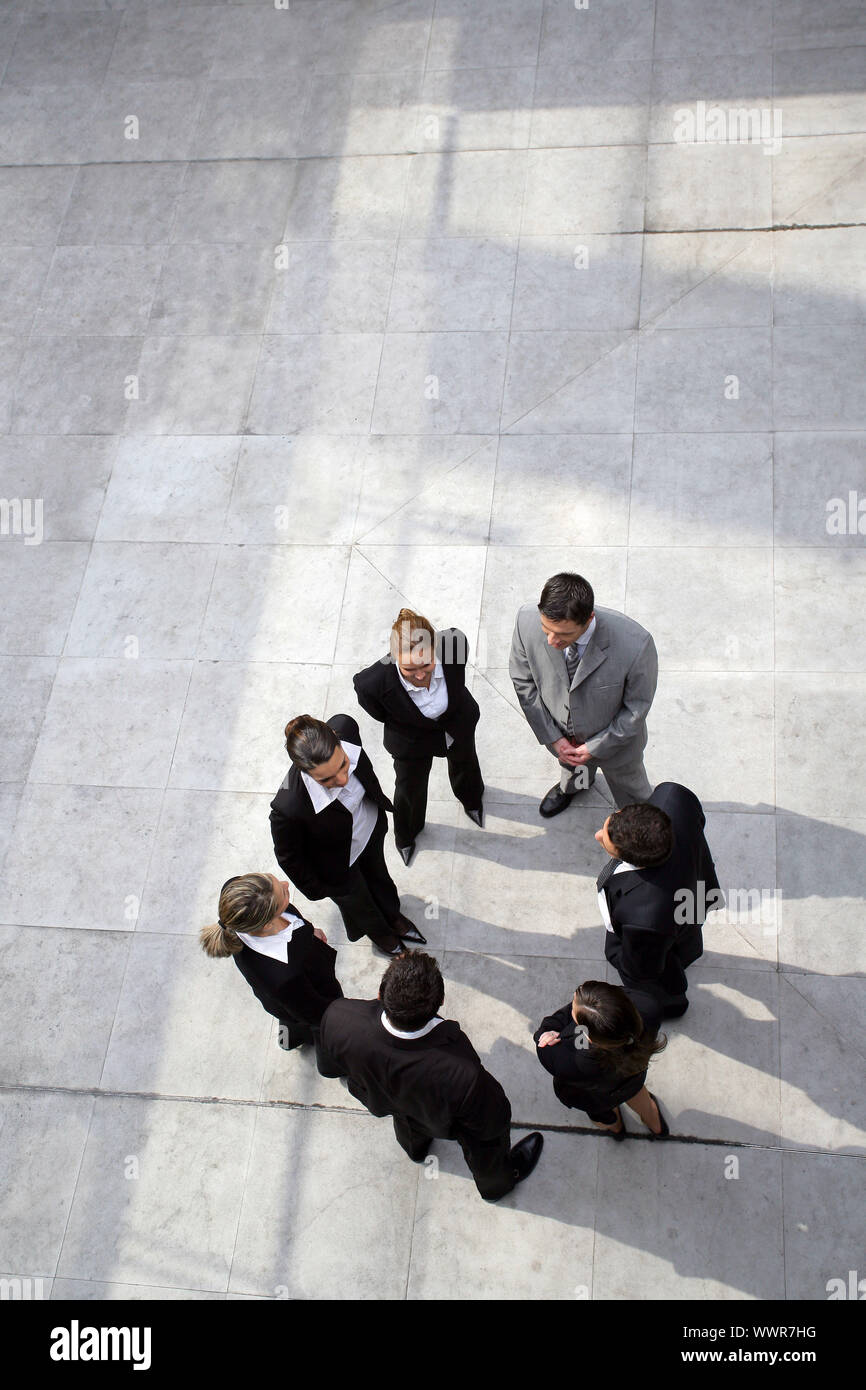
(309, 314)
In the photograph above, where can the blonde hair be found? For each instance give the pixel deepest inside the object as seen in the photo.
(409, 631)
(247, 903)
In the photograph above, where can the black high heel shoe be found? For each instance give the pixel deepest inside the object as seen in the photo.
(411, 932)
(665, 1131)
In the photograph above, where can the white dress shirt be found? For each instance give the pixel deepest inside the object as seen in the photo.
(431, 701)
(603, 908)
(276, 945)
(365, 812)
(419, 1033)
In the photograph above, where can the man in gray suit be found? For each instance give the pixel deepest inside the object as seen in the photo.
(585, 679)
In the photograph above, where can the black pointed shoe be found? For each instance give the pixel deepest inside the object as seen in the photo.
(393, 952)
(526, 1154)
(555, 801)
(406, 853)
(411, 933)
(665, 1131)
(476, 816)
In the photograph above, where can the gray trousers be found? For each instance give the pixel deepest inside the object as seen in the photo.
(628, 783)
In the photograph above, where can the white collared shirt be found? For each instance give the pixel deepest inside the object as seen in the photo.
(621, 868)
(432, 701)
(365, 812)
(276, 945)
(419, 1033)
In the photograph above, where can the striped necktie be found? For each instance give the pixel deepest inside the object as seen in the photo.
(607, 873)
(572, 661)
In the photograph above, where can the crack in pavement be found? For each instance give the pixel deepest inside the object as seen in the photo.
(99, 1092)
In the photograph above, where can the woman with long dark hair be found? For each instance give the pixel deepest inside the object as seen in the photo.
(285, 960)
(598, 1048)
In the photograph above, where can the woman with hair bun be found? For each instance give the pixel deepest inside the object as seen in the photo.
(598, 1048)
(285, 960)
(418, 691)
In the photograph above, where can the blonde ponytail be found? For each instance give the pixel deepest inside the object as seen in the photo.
(247, 903)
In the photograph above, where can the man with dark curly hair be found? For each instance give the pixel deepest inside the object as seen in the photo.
(402, 1059)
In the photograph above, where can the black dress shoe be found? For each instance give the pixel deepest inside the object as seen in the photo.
(406, 852)
(665, 1131)
(526, 1154)
(394, 951)
(411, 933)
(555, 801)
(477, 816)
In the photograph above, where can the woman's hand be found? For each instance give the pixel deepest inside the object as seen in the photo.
(548, 1039)
(317, 931)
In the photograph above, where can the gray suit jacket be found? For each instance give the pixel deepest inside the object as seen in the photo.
(612, 691)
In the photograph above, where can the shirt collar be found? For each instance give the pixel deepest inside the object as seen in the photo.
(323, 796)
(292, 920)
(438, 675)
(419, 1032)
(586, 637)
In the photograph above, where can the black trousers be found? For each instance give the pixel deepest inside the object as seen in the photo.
(410, 791)
(666, 997)
(372, 903)
(487, 1159)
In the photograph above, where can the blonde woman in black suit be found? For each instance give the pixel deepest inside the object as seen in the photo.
(418, 692)
(285, 960)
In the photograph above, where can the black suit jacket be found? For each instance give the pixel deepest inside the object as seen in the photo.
(580, 1080)
(436, 1081)
(408, 732)
(313, 849)
(299, 991)
(654, 934)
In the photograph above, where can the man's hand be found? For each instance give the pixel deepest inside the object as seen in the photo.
(317, 931)
(566, 751)
(581, 754)
(548, 1039)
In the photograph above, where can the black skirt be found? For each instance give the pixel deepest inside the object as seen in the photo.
(595, 1099)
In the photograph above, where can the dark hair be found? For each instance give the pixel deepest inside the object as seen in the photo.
(412, 991)
(617, 1036)
(643, 834)
(567, 598)
(310, 742)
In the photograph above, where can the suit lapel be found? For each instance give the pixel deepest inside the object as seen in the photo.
(594, 655)
(557, 663)
(452, 673)
(367, 777)
(620, 884)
